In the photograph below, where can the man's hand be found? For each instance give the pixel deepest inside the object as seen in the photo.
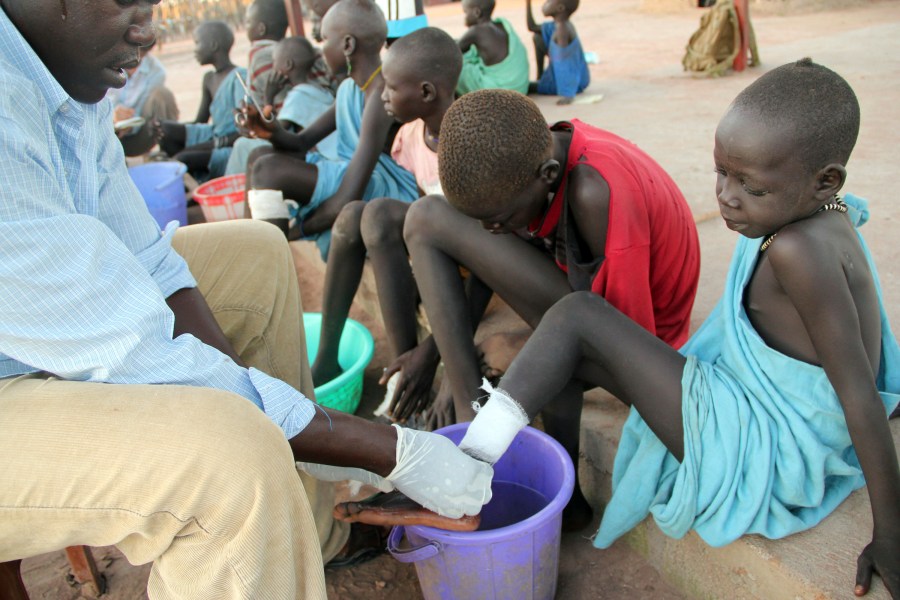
(412, 393)
(882, 556)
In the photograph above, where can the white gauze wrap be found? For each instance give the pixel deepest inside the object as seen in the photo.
(494, 427)
(267, 204)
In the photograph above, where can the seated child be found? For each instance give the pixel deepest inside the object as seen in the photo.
(420, 72)
(568, 72)
(204, 146)
(305, 101)
(145, 95)
(266, 22)
(493, 55)
(776, 409)
(536, 213)
(365, 131)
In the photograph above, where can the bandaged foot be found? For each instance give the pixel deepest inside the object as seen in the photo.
(495, 425)
(269, 205)
(396, 509)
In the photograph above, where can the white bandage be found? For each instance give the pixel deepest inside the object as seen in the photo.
(267, 204)
(494, 427)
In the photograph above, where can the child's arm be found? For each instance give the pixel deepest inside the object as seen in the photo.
(469, 39)
(812, 275)
(281, 138)
(205, 100)
(533, 26)
(374, 131)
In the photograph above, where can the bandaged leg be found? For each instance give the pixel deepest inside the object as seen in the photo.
(495, 426)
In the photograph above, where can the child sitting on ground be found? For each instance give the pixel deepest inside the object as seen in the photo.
(305, 101)
(540, 212)
(776, 409)
(420, 72)
(354, 32)
(493, 55)
(567, 74)
(205, 146)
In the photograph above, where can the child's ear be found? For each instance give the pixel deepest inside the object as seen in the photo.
(549, 170)
(349, 44)
(830, 180)
(428, 92)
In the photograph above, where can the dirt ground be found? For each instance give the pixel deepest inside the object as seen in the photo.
(672, 115)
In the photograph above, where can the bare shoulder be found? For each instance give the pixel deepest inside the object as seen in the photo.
(817, 245)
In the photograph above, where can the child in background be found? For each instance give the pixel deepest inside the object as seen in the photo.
(567, 74)
(205, 146)
(493, 55)
(536, 214)
(354, 32)
(305, 101)
(420, 73)
(776, 409)
(267, 23)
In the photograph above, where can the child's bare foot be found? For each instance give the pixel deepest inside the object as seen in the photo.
(577, 514)
(498, 350)
(322, 374)
(563, 101)
(394, 508)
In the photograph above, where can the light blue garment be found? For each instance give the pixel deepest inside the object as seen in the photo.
(388, 180)
(303, 104)
(567, 74)
(397, 28)
(766, 444)
(86, 270)
(221, 115)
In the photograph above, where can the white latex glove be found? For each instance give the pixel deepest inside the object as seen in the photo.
(435, 473)
(494, 427)
(330, 473)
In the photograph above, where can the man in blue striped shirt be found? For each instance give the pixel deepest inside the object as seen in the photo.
(141, 407)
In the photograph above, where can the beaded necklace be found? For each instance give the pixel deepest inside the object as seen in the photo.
(838, 205)
(368, 82)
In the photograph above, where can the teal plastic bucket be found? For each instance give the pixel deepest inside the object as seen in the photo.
(355, 352)
(515, 552)
(162, 186)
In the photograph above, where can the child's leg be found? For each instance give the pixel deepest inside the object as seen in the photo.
(290, 174)
(342, 276)
(196, 157)
(585, 338)
(382, 234)
(439, 238)
(174, 136)
(540, 53)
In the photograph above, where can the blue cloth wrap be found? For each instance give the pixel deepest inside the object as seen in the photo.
(221, 111)
(567, 74)
(388, 180)
(766, 445)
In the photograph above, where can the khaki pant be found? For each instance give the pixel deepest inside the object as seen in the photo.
(195, 479)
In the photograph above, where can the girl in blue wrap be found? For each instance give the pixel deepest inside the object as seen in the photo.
(567, 74)
(354, 32)
(777, 408)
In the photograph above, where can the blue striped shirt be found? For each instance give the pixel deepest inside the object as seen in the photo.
(85, 271)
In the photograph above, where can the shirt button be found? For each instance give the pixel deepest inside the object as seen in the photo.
(64, 108)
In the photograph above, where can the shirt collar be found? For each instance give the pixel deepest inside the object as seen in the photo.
(16, 50)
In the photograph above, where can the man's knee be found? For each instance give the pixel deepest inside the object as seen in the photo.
(423, 218)
(382, 223)
(347, 224)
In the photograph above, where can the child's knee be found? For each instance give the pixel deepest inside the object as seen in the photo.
(423, 217)
(346, 225)
(382, 223)
(575, 308)
(262, 171)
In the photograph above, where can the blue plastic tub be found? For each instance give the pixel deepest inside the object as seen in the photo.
(162, 186)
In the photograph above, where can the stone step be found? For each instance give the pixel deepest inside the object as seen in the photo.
(818, 564)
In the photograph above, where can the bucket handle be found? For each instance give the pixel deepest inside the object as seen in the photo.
(179, 174)
(412, 554)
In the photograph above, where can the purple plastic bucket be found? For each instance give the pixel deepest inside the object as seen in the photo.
(515, 553)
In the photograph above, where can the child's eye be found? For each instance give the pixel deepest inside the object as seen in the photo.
(752, 191)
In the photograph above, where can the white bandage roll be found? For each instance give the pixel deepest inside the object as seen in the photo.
(267, 204)
(494, 427)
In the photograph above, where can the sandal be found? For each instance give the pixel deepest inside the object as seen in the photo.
(365, 543)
